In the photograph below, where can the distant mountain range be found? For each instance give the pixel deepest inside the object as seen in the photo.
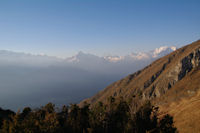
(81, 57)
(158, 52)
(27, 79)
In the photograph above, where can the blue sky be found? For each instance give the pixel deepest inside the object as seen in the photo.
(101, 27)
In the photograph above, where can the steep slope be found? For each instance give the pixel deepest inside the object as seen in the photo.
(169, 80)
(186, 113)
(185, 110)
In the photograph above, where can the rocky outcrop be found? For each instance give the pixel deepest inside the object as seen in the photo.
(173, 75)
(155, 80)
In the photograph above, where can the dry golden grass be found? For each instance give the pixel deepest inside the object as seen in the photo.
(133, 85)
(181, 101)
(186, 113)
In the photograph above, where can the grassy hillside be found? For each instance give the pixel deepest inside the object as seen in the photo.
(168, 83)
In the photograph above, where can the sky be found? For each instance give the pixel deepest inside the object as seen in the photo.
(101, 27)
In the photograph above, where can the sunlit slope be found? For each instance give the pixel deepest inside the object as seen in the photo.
(167, 82)
(186, 111)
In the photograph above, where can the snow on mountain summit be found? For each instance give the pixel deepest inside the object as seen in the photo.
(113, 58)
(158, 52)
(164, 50)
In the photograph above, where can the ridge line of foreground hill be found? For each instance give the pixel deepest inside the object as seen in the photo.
(168, 80)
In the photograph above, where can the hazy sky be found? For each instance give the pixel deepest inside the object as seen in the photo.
(101, 27)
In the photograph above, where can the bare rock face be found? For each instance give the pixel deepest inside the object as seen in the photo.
(155, 80)
(186, 66)
(171, 82)
(160, 84)
(189, 62)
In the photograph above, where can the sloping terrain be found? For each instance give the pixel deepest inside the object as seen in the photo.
(186, 111)
(168, 82)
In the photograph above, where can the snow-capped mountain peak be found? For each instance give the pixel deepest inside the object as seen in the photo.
(84, 57)
(158, 52)
(164, 50)
(161, 49)
(173, 48)
(113, 58)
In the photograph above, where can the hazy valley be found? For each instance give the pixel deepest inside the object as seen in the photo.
(106, 66)
(33, 80)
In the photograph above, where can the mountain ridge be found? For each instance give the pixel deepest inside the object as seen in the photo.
(166, 80)
(161, 64)
(157, 52)
(49, 77)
